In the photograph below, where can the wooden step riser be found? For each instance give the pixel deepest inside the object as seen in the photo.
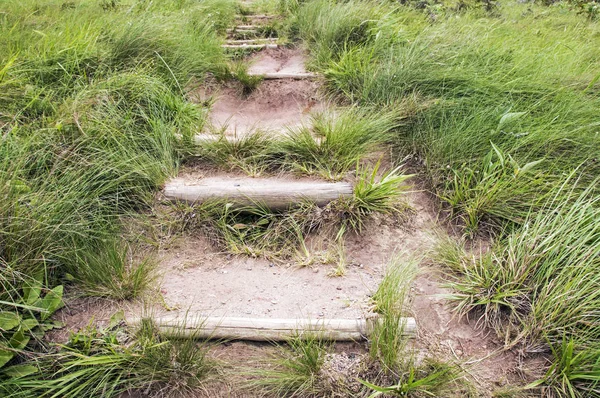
(258, 329)
(274, 194)
(250, 46)
(253, 41)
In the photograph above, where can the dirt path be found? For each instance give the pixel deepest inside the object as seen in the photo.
(196, 277)
(275, 105)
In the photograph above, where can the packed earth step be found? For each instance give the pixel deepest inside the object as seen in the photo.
(273, 107)
(270, 329)
(274, 193)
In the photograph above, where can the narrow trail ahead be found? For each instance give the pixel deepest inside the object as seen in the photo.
(200, 281)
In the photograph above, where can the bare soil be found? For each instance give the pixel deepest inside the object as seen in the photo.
(275, 105)
(288, 60)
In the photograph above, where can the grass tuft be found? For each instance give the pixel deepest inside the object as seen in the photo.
(296, 368)
(113, 272)
(391, 302)
(332, 145)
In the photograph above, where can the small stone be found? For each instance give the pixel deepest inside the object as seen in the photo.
(338, 288)
(271, 265)
(273, 302)
(225, 271)
(321, 314)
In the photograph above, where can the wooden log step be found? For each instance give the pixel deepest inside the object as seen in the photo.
(286, 75)
(250, 46)
(253, 41)
(259, 329)
(271, 192)
(242, 30)
(259, 16)
(246, 27)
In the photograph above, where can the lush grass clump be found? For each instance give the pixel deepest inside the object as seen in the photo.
(330, 27)
(295, 368)
(479, 84)
(538, 287)
(332, 144)
(108, 363)
(253, 153)
(393, 361)
(94, 117)
(391, 301)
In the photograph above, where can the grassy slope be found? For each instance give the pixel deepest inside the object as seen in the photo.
(520, 81)
(93, 118)
(505, 122)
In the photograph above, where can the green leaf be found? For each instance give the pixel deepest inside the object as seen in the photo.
(509, 118)
(116, 319)
(52, 301)
(31, 293)
(528, 167)
(28, 324)
(19, 340)
(5, 356)
(18, 371)
(499, 153)
(52, 325)
(9, 320)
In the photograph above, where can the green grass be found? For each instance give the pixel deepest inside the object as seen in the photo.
(113, 271)
(97, 363)
(295, 369)
(537, 286)
(395, 370)
(431, 378)
(479, 88)
(259, 231)
(252, 153)
(504, 125)
(331, 144)
(391, 302)
(94, 117)
(249, 82)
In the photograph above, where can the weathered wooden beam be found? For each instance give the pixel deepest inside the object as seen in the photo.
(272, 193)
(253, 41)
(260, 16)
(250, 46)
(262, 329)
